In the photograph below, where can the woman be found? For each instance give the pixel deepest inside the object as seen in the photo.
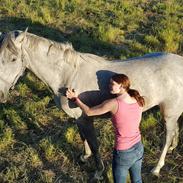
(126, 110)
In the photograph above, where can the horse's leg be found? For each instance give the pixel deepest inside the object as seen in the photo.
(175, 139)
(171, 133)
(62, 102)
(87, 150)
(88, 135)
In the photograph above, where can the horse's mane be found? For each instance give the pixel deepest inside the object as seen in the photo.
(65, 50)
(70, 55)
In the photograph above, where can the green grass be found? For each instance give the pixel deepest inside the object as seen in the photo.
(39, 143)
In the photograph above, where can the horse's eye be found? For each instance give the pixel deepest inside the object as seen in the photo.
(14, 59)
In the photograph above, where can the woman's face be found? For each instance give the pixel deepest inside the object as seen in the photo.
(114, 87)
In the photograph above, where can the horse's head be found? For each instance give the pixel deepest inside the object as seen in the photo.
(11, 61)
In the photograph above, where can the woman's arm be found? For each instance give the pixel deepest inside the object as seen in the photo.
(106, 106)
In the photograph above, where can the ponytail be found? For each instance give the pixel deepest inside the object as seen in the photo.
(135, 94)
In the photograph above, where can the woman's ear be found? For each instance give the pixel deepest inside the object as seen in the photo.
(121, 87)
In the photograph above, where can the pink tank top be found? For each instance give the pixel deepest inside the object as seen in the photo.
(126, 123)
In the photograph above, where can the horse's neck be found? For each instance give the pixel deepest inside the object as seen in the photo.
(49, 76)
(46, 62)
(93, 74)
(44, 67)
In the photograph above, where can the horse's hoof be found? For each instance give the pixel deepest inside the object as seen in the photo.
(155, 172)
(83, 158)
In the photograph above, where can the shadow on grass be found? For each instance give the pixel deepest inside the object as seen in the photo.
(172, 170)
(81, 39)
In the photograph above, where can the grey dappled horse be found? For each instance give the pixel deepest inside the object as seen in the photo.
(158, 77)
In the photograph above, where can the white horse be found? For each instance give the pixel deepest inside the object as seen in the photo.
(158, 77)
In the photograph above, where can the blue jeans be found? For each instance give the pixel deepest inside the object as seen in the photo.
(128, 160)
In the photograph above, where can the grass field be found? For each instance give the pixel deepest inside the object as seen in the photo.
(39, 143)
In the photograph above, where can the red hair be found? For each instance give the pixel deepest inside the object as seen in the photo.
(124, 80)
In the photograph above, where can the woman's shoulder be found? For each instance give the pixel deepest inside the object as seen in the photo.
(128, 100)
(112, 100)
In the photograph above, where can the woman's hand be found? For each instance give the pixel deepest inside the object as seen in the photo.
(71, 94)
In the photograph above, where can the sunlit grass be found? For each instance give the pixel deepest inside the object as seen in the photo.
(14, 119)
(70, 135)
(33, 157)
(6, 138)
(39, 142)
(48, 148)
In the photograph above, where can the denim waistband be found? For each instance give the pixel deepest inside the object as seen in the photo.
(130, 149)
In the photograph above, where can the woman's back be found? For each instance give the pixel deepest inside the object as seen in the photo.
(126, 123)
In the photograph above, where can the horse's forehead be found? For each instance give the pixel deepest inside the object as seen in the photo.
(4, 35)
(6, 41)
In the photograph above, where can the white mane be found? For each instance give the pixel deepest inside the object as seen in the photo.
(70, 55)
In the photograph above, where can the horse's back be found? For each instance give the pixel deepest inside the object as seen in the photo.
(155, 56)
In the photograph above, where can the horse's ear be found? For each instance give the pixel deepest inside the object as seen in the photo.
(21, 36)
